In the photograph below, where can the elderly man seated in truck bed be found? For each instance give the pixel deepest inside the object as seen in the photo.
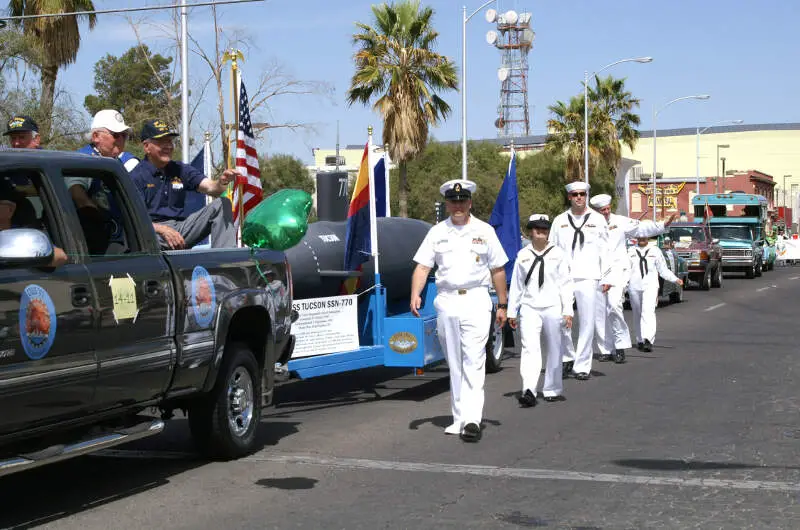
(163, 184)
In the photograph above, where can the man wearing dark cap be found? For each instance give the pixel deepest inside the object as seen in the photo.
(468, 256)
(23, 133)
(9, 200)
(163, 184)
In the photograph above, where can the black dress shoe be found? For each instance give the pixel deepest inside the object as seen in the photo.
(527, 399)
(640, 346)
(619, 356)
(553, 399)
(647, 346)
(471, 432)
(582, 376)
(566, 368)
(604, 358)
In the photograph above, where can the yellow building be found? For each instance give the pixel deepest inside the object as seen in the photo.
(770, 148)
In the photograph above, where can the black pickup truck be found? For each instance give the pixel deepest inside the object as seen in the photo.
(89, 347)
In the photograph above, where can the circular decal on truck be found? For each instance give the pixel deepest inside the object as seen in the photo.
(204, 298)
(37, 321)
(403, 342)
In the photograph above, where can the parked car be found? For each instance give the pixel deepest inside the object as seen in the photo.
(703, 254)
(92, 346)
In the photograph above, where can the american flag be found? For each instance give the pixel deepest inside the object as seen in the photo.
(249, 179)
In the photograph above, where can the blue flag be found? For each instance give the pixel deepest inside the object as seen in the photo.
(505, 216)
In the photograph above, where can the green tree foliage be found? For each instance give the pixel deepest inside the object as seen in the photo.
(56, 40)
(284, 171)
(138, 84)
(396, 66)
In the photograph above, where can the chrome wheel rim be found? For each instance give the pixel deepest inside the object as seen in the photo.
(240, 401)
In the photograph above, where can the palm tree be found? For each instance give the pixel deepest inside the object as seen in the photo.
(397, 66)
(615, 106)
(58, 40)
(565, 136)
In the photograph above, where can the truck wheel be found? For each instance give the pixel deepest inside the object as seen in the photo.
(495, 348)
(224, 424)
(716, 280)
(751, 272)
(676, 296)
(759, 269)
(705, 282)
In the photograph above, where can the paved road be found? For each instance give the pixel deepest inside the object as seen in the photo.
(701, 433)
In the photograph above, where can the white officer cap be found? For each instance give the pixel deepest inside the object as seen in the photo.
(578, 185)
(600, 201)
(458, 189)
(111, 120)
(538, 220)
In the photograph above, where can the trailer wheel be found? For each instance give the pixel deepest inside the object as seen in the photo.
(495, 348)
(224, 423)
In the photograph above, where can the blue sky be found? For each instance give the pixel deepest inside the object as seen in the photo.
(744, 54)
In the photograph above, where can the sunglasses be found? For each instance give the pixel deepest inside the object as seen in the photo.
(578, 194)
(117, 135)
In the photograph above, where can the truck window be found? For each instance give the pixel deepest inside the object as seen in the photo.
(32, 207)
(105, 219)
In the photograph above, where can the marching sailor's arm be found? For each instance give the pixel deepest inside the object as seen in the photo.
(663, 270)
(517, 289)
(566, 287)
(606, 260)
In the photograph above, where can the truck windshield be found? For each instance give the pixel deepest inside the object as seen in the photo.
(686, 234)
(741, 233)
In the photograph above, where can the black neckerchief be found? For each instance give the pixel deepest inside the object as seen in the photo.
(578, 230)
(643, 269)
(538, 259)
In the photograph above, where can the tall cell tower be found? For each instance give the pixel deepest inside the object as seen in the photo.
(514, 38)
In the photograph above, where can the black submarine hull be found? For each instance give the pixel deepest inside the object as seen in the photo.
(317, 261)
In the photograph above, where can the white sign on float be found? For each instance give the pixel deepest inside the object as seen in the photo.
(325, 325)
(787, 249)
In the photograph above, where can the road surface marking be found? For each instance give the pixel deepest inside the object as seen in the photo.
(713, 307)
(523, 473)
(763, 289)
(461, 469)
(794, 277)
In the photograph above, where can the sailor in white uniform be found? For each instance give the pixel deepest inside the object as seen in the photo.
(468, 256)
(583, 234)
(611, 331)
(646, 265)
(540, 303)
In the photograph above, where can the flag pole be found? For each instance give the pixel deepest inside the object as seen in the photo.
(234, 56)
(373, 220)
(387, 180)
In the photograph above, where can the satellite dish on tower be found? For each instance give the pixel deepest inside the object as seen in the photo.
(511, 17)
(502, 73)
(500, 122)
(491, 36)
(527, 37)
(501, 19)
(524, 18)
(491, 15)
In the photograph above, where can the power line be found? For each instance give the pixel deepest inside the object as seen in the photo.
(124, 10)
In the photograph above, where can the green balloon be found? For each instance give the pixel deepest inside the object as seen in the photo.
(278, 222)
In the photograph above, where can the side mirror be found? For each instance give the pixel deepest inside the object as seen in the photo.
(761, 243)
(25, 247)
(715, 241)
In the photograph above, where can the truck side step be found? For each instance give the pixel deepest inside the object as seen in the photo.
(55, 453)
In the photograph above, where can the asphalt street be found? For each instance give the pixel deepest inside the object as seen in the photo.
(703, 432)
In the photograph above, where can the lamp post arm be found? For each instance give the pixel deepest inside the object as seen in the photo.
(476, 11)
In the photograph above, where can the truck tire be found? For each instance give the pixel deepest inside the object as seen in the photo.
(751, 272)
(759, 269)
(676, 296)
(224, 424)
(495, 348)
(705, 281)
(716, 280)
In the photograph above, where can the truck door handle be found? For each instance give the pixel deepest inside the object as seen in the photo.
(81, 296)
(152, 288)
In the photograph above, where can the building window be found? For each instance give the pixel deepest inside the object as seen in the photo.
(636, 202)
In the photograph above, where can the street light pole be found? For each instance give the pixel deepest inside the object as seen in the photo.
(465, 19)
(699, 132)
(655, 120)
(784, 189)
(586, 107)
(717, 187)
(722, 190)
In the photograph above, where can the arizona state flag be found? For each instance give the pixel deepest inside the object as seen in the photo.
(357, 247)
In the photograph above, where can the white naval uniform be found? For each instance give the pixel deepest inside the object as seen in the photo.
(643, 289)
(590, 267)
(540, 310)
(464, 256)
(611, 330)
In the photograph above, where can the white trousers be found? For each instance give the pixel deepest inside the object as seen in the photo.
(643, 304)
(535, 325)
(611, 331)
(463, 323)
(586, 300)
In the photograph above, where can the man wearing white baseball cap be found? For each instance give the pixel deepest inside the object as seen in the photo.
(611, 331)
(583, 234)
(468, 256)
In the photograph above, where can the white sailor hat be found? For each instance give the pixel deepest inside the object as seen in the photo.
(600, 201)
(458, 189)
(578, 185)
(538, 220)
